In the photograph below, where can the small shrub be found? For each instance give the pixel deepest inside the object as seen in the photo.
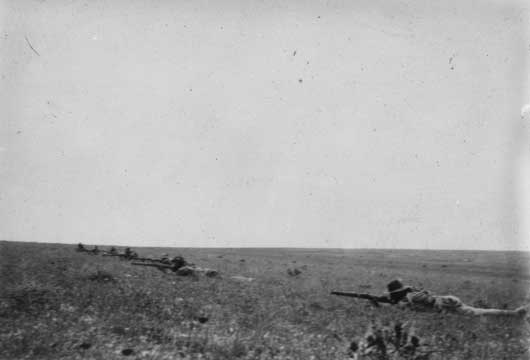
(294, 272)
(316, 306)
(202, 319)
(211, 273)
(101, 276)
(397, 342)
(127, 352)
(85, 345)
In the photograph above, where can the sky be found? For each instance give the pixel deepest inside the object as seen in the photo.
(342, 124)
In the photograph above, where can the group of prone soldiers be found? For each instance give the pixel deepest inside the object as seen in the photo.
(397, 293)
(128, 253)
(176, 264)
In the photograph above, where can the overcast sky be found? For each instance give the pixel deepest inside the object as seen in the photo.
(394, 124)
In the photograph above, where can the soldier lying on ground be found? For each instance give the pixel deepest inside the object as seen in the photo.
(418, 299)
(424, 300)
(164, 263)
(179, 266)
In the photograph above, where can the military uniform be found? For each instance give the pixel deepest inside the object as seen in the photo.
(417, 299)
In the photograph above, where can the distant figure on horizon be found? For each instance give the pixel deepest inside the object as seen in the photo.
(129, 254)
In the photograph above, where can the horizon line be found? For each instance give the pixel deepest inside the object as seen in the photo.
(269, 247)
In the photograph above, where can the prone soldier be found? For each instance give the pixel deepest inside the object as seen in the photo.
(179, 266)
(166, 264)
(419, 299)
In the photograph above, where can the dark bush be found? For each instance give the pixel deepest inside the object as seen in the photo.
(85, 345)
(294, 272)
(102, 276)
(127, 352)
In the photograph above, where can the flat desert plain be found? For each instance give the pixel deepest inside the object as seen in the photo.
(56, 303)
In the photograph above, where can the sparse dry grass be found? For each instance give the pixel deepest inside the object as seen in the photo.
(57, 303)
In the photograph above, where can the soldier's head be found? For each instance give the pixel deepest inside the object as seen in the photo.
(397, 290)
(178, 261)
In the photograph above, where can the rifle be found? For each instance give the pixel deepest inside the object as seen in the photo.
(123, 256)
(159, 266)
(146, 259)
(374, 299)
(185, 270)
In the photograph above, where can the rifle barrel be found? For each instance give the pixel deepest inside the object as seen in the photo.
(154, 265)
(348, 294)
(160, 261)
(375, 298)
